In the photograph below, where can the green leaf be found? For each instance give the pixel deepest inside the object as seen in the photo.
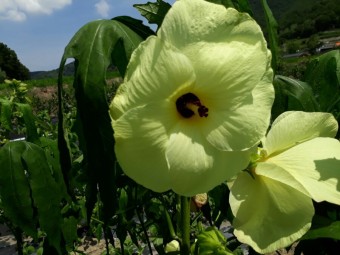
(29, 119)
(15, 189)
(300, 91)
(93, 44)
(272, 33)
(69, 229)
(52, 154)
(211, 241)
(323, 74)
(6, 113)
(63, 141)
(45, 192)
(93, 47)
(220, 209)
(243, 6)
(331, 231)
(153, 12)
(225, 3)
(135, 25)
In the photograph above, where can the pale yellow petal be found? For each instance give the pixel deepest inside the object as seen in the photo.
(315, 164)
(242, 127)
(226, 48)
(189, 22)
(279, 174)
(156, 71)
(141, 136)
(269, 215)
(291, 128)
(196, 166)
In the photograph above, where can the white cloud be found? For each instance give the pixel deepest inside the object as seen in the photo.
(17, 10)
(103, 8)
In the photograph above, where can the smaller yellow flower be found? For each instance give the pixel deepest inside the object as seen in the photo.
(299, 161)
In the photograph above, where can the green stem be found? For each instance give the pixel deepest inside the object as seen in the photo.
(170, 226)
(185, 225)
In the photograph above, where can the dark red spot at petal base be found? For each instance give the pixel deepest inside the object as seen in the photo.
(189, 98)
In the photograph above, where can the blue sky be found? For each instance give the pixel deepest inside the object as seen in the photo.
(39, 30)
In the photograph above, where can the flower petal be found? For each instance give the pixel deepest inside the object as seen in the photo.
(189, 22)
(269, 215)
(291, 128)
(196, 166)
(272, 171)
(155, 71)
(315, 164)
(245, 126)
(227, 48)
(141, 137)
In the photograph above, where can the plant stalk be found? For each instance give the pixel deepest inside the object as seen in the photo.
(185, 225)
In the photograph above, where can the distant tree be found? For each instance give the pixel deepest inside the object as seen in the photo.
(11, 65)
(293, 46)
(313, 42)
(2, 76)
(312, 17)
(323, 22)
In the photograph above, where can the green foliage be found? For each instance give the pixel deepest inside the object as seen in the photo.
(153, 12)
(2, 75)
(306, 19)
(323, 74)
(94, 47)
(319, 90)
(16, 109)
(11, 65)
(135, 25)
(226, 3)
(272, 33)
(32, 196)
(300, 96)
(293, 46)
(331, 231)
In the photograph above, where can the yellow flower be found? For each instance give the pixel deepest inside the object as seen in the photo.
(299, 161)
(195, 98)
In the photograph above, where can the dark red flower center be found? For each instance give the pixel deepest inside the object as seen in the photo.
(187, 103)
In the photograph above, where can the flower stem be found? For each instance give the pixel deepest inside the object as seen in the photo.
(185, 225)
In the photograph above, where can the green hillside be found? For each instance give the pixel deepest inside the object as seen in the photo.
(281, 8)
(301, 18)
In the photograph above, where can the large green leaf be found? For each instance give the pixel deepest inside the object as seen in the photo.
(45, 191)
(6, 113)
(135, 25)
(28, 189)
(69, 228)
(272, 33)
(29, 120)
(52, 155)
(15, 189)
(153, 12)
(323, 74)
(225, 3)
(94, 47)
(330, 231)
(300, 95)
(243, 6)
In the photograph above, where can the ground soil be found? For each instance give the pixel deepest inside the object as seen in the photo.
(89, 246)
